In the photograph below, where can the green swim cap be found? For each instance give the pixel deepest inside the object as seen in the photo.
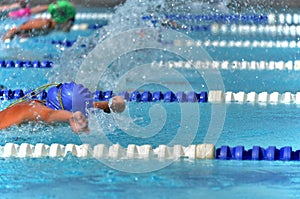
(62, 11)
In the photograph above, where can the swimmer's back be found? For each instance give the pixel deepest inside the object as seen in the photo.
(22, 12)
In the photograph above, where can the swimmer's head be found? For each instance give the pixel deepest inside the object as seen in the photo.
(71, 97)
(23, 3)
(62, 11)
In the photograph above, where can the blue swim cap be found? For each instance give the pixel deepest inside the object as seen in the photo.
(69, 96)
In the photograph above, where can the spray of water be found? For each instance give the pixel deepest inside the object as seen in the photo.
(122, 53)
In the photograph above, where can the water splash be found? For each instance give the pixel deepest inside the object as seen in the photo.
(126, 17)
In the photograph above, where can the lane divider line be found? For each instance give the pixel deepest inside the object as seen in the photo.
(81, 16)
(115, 151)
(238, 43)
(147, 152)
(213, 96)
(233, 65)
(271, 18)
(222, 65)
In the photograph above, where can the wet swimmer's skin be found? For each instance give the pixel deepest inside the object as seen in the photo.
(116, 104)
(78, 122)
(66, 102)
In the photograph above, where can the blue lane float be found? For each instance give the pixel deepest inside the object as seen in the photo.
(26, 64)
(18, 94)
(65, 43)
(135, 96)
(192, 97)
(9, 94)
(106, 95)
(157, 96)
(203, 97)
(95, 26)
(169, 96)
(97, 95)
(270, 153)
(181, 96)
(6, 94)
(257, 153)
(146, 96)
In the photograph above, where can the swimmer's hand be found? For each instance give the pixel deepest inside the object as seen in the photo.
(79, 123)
(10, 34)
(117, 104)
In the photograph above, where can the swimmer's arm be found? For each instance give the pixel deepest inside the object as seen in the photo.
(24, 112)
(39, 8)
(77, 120)
(34, 24)
(102, 105)
(20, 113)
(32, 111)
(9, 7)
(11, 116)
(52, 116)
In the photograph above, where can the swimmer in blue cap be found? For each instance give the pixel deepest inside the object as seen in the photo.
(68, 102)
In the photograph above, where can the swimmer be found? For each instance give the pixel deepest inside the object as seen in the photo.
(68, 102)
(5, 9)
(20, 9)
(23, 11)
(62, 19)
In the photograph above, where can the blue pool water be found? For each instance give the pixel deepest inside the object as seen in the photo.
(244, 124)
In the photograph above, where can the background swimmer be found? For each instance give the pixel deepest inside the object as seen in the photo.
(8, 7)
(62, 19)
(21, 9)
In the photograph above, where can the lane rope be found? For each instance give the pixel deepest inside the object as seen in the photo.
(238, 43)
(116, 151)
(81, 16)
(233, 65)
(221, 65)
(206, 43)
(147, 152)
(271, 18)
(213, 96)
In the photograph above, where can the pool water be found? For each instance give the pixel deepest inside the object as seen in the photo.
(73, 178)
(245, 124)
